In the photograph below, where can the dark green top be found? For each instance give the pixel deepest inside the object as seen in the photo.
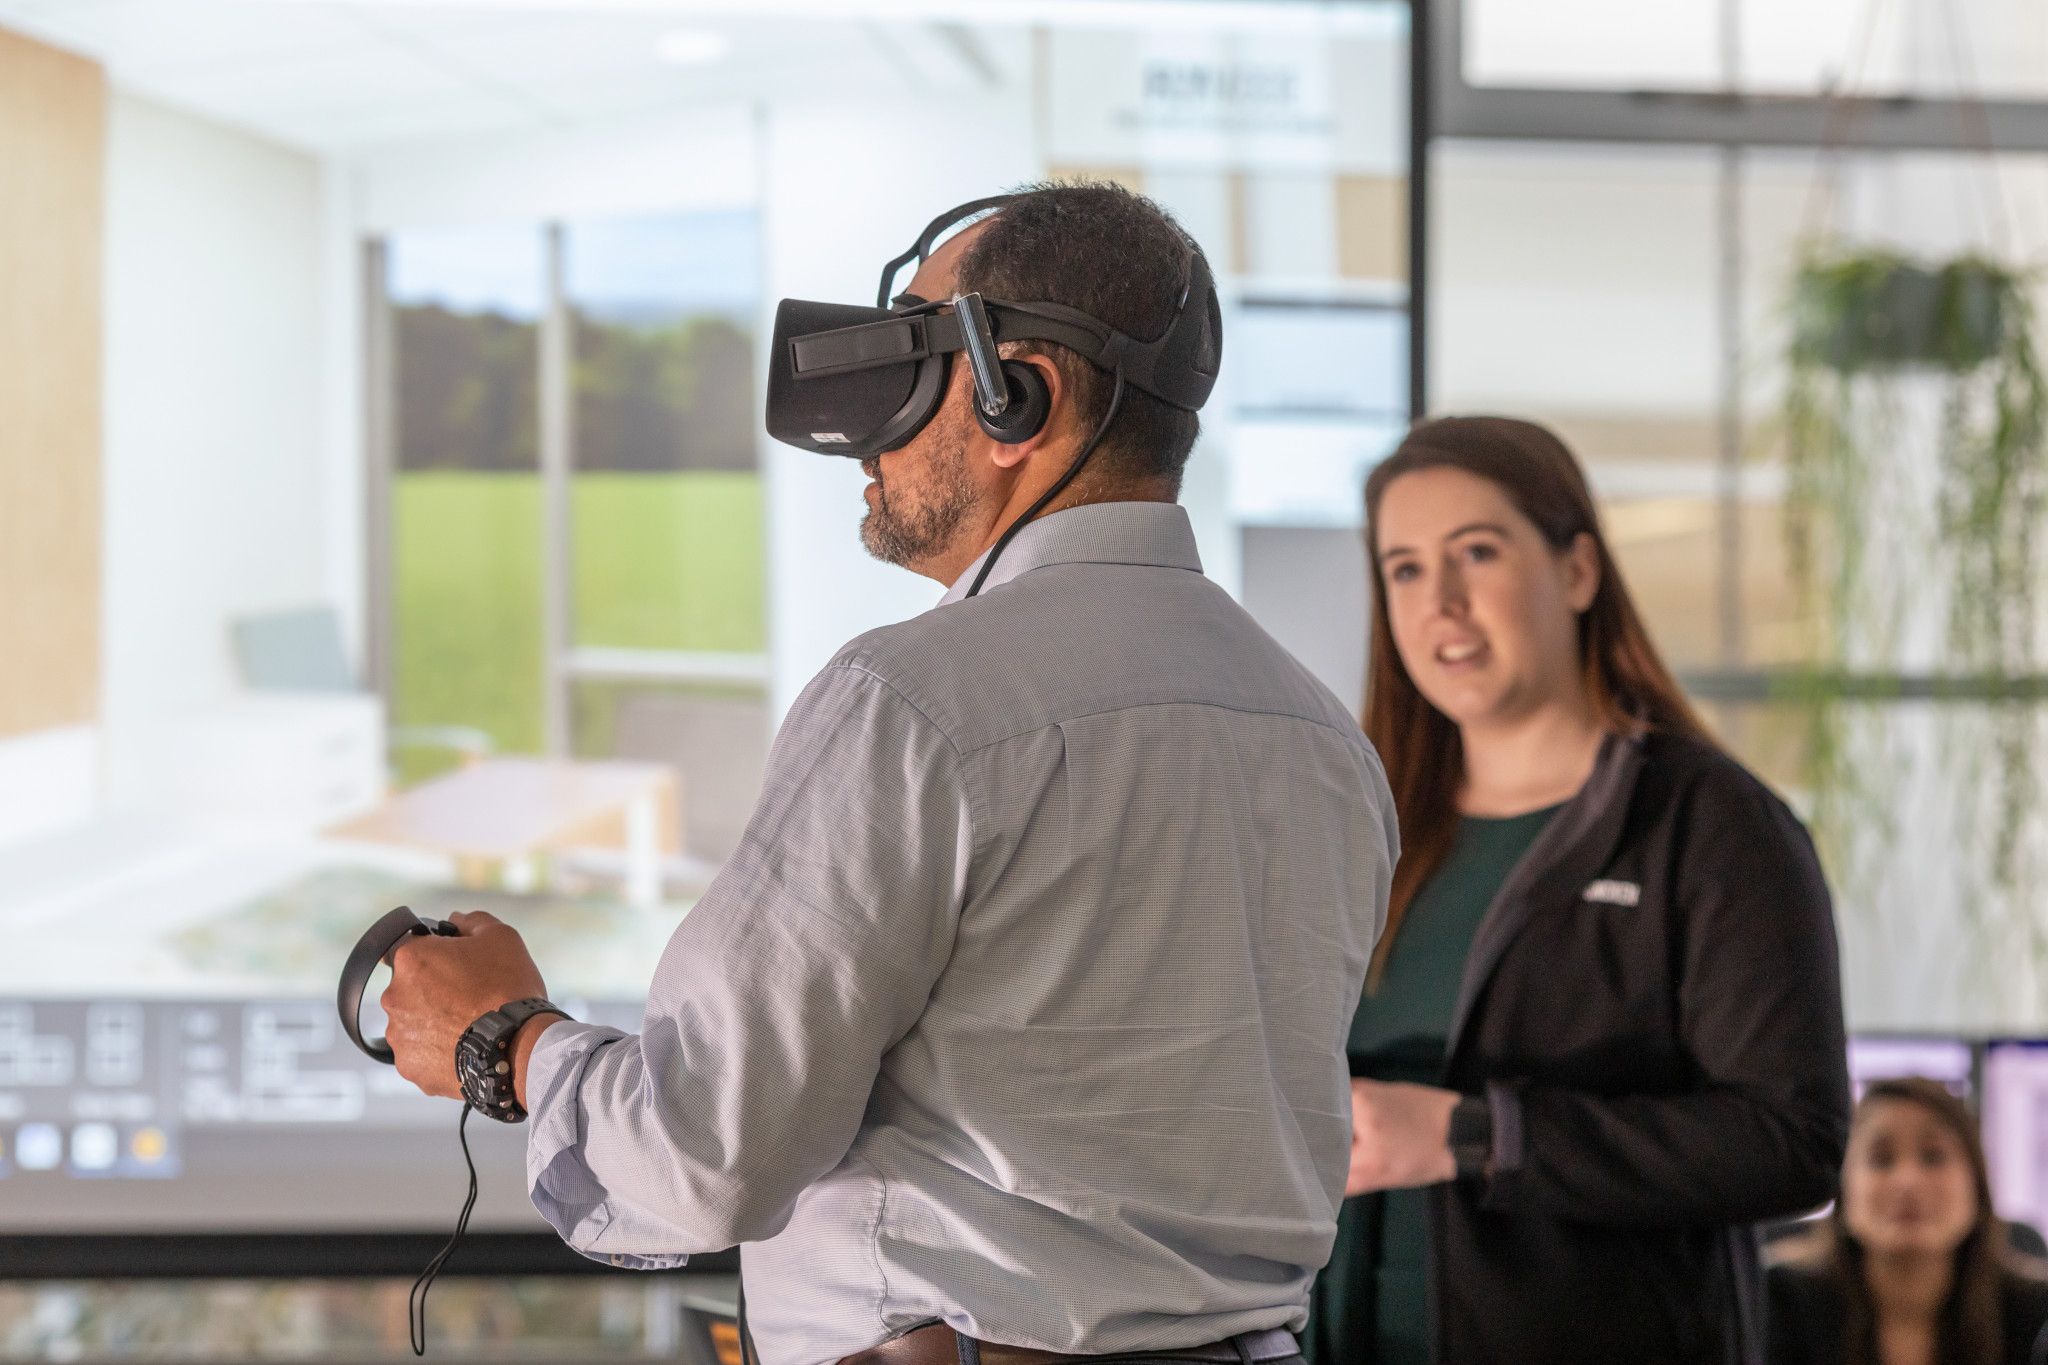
(1370, 1304)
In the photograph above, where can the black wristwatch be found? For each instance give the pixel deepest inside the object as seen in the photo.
(1472, 1136)
(483, 1058)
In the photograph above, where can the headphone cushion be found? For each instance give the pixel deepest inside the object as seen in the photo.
(1030, 404)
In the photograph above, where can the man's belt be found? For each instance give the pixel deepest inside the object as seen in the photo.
(938, 1344)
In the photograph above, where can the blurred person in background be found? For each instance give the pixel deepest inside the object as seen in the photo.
(1911, 1267)
(1602, 1034)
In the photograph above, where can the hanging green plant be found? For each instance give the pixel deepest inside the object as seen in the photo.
(1863, 324)
(1856, 312)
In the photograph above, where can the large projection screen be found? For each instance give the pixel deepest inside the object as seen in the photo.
(171, 1058)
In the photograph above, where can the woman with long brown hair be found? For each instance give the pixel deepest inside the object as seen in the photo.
(1603, 1033)
(1911, 1267)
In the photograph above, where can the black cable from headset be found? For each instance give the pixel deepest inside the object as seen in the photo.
(1116, 400)
(416, 1302)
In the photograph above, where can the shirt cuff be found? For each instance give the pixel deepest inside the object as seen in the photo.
(561, 1184)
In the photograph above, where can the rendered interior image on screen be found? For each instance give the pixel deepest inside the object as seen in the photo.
(180, 886)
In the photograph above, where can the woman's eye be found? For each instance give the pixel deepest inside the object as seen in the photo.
(1402, 573)
(1480, 552)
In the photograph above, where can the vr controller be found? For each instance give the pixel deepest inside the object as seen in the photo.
(376, 945)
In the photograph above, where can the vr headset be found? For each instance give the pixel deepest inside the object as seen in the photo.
(846, 380)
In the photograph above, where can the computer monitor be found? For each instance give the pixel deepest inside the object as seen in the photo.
(1881, 1057)
(2015, 1119)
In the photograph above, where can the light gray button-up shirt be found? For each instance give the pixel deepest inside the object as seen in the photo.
(1022, 1003)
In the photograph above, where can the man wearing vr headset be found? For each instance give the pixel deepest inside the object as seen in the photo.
(1014, 1028)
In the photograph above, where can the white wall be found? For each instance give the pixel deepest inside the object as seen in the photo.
(48, 779)
(213, 393)
(704, 159)
(344, 468)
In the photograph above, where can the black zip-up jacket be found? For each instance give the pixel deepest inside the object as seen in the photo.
(1652, 1009)
(1807, 1318)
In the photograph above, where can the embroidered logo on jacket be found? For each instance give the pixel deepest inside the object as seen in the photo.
(1614, 893)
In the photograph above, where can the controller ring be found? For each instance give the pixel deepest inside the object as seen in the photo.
(377, 944)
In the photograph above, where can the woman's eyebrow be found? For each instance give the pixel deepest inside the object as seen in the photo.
(1471, 527)
(1466, 530)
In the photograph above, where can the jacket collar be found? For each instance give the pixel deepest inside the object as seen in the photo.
(1574, 847)
(1153, 533)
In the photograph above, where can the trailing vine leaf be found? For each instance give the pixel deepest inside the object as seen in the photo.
(1862, 323)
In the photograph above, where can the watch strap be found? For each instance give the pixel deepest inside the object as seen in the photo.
(519, 1011)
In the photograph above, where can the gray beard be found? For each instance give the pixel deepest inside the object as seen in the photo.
(903, 533)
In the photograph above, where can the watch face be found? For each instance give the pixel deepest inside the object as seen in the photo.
(485, 1070)
(472, 1053)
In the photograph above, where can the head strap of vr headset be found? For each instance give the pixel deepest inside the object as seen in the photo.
(1168, 367)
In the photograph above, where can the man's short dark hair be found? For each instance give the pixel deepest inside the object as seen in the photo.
(1118, 257)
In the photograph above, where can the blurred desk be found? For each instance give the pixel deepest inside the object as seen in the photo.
(506, 812)
(709, 1328)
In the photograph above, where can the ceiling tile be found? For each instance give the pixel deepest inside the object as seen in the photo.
(145, 35)
(339, 73)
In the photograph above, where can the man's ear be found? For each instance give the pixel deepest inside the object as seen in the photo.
(1010, 456)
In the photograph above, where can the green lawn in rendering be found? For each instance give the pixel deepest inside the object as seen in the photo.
(662, 561)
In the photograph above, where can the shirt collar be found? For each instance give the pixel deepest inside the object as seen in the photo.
(1154, 533)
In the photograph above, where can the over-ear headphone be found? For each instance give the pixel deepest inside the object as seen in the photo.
(1030, 403)
(1011, 400)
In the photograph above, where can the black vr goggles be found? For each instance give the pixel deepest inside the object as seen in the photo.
(846, 380)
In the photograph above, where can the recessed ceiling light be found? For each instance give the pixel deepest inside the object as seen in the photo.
(692, 47)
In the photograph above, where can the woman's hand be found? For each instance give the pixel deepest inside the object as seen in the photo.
(1400, 1136)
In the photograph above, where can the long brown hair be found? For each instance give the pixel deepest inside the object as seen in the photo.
(1972, 1324)
(1419, 744)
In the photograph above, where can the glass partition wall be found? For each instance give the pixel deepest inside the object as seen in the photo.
(1682, 237)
